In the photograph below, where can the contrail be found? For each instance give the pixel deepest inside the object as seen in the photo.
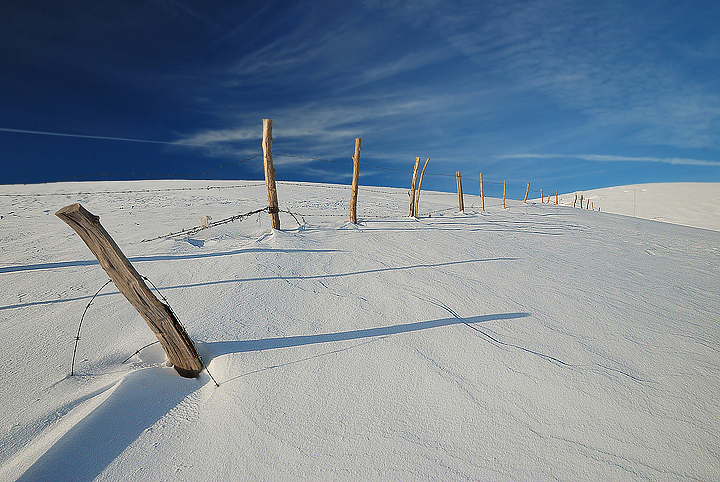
(106, 138)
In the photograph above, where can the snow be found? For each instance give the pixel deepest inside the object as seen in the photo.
(539, 342)
(695, 204)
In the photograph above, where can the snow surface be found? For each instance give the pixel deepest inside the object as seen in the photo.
(540, 342)
(695, 204)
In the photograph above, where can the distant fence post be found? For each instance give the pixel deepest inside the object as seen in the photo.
(461, 204)
(178, 346)
(273, 208)
(417, 198)
(575, 201)
(355, 182)
(412, 187)
(504, 189)
(556, 196)
(581, 200)
(482, 194)
(527, 191)
(542, 198)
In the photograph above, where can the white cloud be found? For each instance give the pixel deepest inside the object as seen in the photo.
(606, 158)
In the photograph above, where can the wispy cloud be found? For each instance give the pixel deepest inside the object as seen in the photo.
(611, 62)
(605, 158)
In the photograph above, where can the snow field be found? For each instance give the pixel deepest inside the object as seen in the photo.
(539, 342)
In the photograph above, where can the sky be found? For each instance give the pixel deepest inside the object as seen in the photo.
(567, 95)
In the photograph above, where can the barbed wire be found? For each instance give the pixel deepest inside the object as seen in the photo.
(237, 217)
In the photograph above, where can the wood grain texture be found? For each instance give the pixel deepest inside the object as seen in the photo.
(417, 198)
(412, 187)
(355, 181)
(270, 174)
(178, 346)
(461, 201)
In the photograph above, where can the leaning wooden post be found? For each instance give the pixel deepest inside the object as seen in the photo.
(504, 189)
(355, 181)
(417, 198)
(178, 346)
(527, 191)
(556, 196)
(412, 187)
(461, 204)
(482, 194)
(273, 207)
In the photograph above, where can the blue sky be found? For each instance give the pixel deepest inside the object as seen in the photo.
(567, 95)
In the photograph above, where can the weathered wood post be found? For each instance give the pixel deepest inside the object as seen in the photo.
(273, 207)
(417, 198)
(575, 201)
(482, 194)
(556, 196)
(504, 189)
(527, 191)
(461, 203)
(355, 182)
(542, 198)
(412, 187)
(581, 200)
(178, 346)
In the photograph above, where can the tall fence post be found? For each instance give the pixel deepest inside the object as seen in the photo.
(355, 182)
(504, 189)
(556, 196)
(461, 204)
(542, 198)
(273, 207)
(417, 198)
(178, 346)
(482, 194)
(527, 191)
(412, 187)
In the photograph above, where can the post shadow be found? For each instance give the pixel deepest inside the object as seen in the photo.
(219, 348)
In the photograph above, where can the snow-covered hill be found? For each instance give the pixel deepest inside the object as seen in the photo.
(695, 204)
(540, 342)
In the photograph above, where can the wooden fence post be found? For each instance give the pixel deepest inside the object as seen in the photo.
(270, 174)
(178, 346)
(461, 204)
(542, 198)
(575, 201)
(527, 191)
(355, 182)
(417, 198)
(581, 200)
(504, 189)
(556, 196)
(412, 187)
(482, 194)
